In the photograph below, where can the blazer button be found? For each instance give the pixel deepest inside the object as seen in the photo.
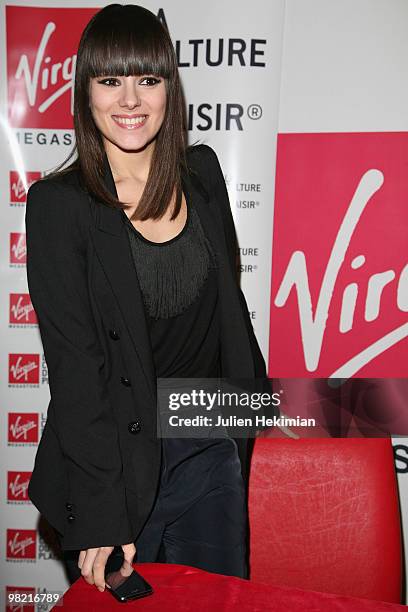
(114, 334)
(68, 506)
(70, 518)
(134, 427)
(125, 381)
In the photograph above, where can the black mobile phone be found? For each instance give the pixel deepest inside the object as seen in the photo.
(123, 581)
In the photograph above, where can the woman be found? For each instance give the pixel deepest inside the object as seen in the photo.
(131, 270)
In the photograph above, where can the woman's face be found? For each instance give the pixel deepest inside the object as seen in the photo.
(128, 111)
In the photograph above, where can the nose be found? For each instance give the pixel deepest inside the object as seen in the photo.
(130, 95)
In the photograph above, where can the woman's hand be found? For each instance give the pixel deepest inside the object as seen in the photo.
(92, 562)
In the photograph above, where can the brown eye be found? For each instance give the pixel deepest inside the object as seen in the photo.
(150, 81)
(108, 82)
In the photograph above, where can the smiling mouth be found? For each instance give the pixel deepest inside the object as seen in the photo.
(130, 123)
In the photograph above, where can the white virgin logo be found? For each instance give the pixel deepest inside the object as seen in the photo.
(20, 310)
(17, 547)
(20, 370)
(313, 325)
(19, 249)
(20, 430)
(46, 74)
(18, 188)
(19, 488)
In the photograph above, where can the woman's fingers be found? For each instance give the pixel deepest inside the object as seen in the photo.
(87, 565)
(93, 565)
(99, 566)
(129, 551)
(81, 558)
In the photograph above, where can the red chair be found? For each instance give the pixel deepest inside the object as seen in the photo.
(324, 515)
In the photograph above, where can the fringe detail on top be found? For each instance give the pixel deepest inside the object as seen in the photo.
(172, 275)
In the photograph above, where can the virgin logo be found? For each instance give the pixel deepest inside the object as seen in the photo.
(21, 605)
(18, 488)
(21, 308)
(24, 368)
(19, 546)
(19, 185)
(45, 74)
(339, 294)
(41, 61)
(313, 324)
(21, 370)
(18, 248)
(23, 427)
(18, 190)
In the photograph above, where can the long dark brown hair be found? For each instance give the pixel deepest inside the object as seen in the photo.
(126, 40)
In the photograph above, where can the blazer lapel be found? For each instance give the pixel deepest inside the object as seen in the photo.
(112, 244)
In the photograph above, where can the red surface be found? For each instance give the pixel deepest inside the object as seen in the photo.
(179, 588)
(324, 516)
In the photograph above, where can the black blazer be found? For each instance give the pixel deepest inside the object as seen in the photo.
(97, 465)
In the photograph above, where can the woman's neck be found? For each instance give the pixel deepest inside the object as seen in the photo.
(125, 165)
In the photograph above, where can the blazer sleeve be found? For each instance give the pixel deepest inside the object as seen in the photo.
(56, 230)
(220, 192)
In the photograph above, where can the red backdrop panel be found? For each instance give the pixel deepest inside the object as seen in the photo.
(339, 269)
(41, 47)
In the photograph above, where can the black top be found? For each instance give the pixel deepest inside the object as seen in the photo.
(178, 280)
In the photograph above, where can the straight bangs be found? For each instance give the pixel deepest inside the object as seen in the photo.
(129, 47)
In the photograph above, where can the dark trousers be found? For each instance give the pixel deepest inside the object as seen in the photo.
(199, 517)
